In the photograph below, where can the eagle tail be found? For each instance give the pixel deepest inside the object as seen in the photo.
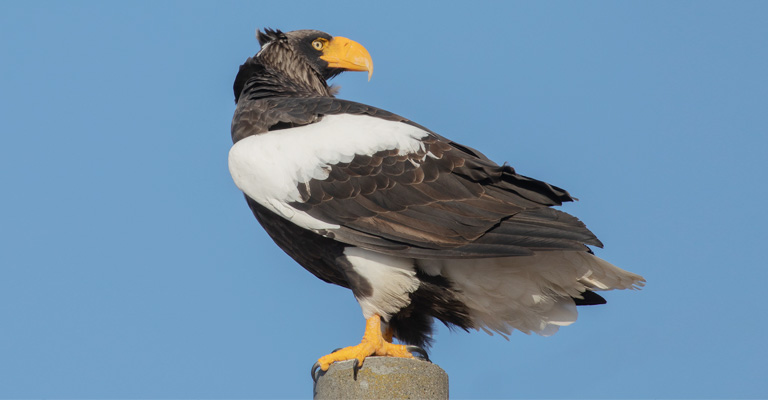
(533, 294)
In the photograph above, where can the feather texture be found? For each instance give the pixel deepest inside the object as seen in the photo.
(416, 225)
(530, 293)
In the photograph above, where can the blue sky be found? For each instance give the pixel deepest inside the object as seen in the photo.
(131, 267)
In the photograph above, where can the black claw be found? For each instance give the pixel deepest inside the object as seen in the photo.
(314, 372)
(355, 368)
(418, 352)
(316, 367)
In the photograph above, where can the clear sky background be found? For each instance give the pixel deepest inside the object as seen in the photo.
(131, 267)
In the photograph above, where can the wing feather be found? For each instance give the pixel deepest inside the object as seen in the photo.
(435, 199)
(433, 204)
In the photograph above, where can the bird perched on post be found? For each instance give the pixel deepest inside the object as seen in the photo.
(417, 226)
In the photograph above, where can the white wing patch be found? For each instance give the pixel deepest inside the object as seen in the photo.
(268, 167)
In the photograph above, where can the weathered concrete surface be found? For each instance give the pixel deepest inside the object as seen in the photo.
(383, 378)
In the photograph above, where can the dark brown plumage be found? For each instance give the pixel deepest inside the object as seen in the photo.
(407, 229)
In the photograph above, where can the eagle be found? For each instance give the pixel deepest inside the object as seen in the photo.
(417, 226)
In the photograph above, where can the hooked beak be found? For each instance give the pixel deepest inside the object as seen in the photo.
(348, 55)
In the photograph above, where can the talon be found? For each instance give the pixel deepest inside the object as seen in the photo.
(355, 368)
(373, 343)
(422, 354)
(314, 372)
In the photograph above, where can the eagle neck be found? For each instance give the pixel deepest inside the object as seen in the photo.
(284, 73)
(266, 82)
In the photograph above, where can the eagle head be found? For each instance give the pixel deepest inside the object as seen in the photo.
(306, 58)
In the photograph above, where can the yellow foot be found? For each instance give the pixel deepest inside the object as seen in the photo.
(373, 343)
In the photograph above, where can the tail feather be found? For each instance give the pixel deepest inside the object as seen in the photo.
(530, 293)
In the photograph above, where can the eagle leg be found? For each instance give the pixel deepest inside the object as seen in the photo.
(388, 333)
(374, 343)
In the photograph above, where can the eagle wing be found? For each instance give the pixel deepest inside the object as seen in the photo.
(372, 179)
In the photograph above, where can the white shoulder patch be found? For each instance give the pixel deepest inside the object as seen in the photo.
(269, 167)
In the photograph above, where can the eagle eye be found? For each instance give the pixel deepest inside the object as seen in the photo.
(318, 44)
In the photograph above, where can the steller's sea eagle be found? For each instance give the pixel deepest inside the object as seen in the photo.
(416, 225)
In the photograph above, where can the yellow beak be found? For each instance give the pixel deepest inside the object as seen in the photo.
(348, 55)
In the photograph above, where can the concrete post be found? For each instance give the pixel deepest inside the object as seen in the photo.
(383, 378)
